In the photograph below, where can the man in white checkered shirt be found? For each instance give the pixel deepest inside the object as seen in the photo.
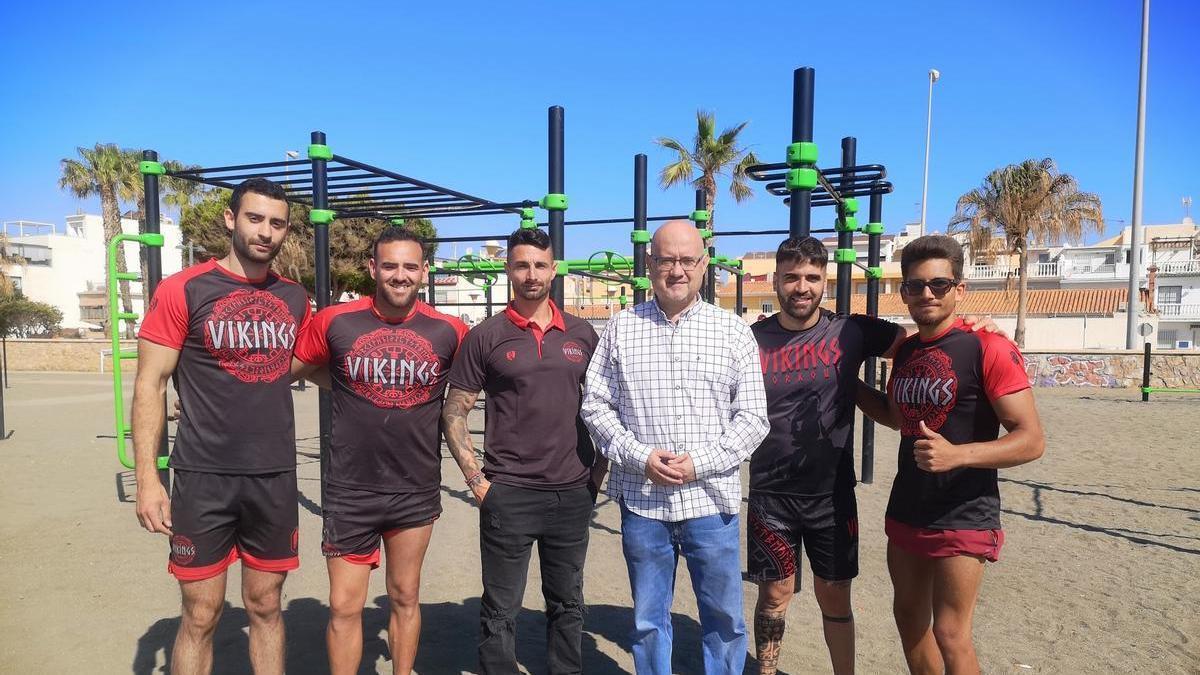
(674, 398)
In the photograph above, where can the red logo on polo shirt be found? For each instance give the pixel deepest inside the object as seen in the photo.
(251, 334)
(393, 368)
(183, 551)
(573, 352)
(925, 388)
(511, 355)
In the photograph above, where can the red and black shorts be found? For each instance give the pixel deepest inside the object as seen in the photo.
(217, 518)
(356, 520)
(929, 543)
(781, 525)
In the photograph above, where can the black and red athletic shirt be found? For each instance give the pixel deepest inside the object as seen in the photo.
(532, 376)
(235, 337)
(950, 382)
(388, 380)
(811, 378)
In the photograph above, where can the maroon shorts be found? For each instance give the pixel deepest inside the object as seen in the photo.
(218, 518)
(945, 543)
(356, 520)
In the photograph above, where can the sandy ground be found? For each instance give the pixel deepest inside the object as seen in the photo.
(1101, 572)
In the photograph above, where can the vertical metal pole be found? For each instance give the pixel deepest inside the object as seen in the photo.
(153, 276)
(706, 289)
(320, 200)
(872, 364)
(740, 309)
(4, 339)
(488, 299)
(430, 298)
(933, 77)
(845, 240)
(800, 204)
(556, 186)
(1146, 373)
(639, 224)
(1135, 230)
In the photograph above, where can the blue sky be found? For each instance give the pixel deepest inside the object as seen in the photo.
(456, 93)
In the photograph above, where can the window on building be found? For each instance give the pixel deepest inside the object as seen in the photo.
(441, 297)
(1166, 338)
(1043, 257)
(1170, 295)
(861, 289)
(768, 308)
(1110, 258)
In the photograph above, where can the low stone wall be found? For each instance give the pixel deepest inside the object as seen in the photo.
(81, 356)
(1111, 369)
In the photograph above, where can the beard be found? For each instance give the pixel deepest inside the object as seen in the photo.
(799, 315)
(532, 294)
(397, 298)
(244, 248)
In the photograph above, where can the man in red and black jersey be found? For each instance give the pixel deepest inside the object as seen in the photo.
(951, 389)
(387, 357)
(541, 473)
(225, 329)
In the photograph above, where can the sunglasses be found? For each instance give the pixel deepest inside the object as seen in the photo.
(940, 286)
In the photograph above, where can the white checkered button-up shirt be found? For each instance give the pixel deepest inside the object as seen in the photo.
(692, 386)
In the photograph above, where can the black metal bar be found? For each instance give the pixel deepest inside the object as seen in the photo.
(739, 299)
(845, 239)
(710, 277)
(236, 167)
(639, 223)
(556, 185)
(434, 213)
(800, 208)
(353, 196)
(761, 172)
(301, 177)
(415, 181)
(4, 349)
(380, 181)
(487, 294)
(320, 200)
(430, 298)
(447, 240)
(1146, 373)
(868, 433)
(389, 203)
(150, 194)
(755, 233)
(406, 188)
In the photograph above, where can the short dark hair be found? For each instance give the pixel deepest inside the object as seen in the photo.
(259, 186)
(392, 233)
(932, 247)
(795, 250)
(529, 237)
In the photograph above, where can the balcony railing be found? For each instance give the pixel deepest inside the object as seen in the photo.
(1180, 311)
(1046, 270)
(1179, 267)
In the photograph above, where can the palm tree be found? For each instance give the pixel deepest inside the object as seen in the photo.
(99, 172)
(711, 155)
(1024, 204)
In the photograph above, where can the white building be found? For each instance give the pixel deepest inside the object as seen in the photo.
(66, 265)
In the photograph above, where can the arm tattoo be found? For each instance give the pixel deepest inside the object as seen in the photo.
(455, 410)
(768, 640)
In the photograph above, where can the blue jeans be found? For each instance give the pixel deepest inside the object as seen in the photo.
(710, 546)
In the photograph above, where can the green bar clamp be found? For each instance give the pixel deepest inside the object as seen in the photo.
(562, 268)
(640, 283)
(874, 228)
(127, 316)
(699, 216)
(849, 206)
(624, 300)
(126, 354)
(845, 255)
(148, 167)
(127, 276)
(705, 233)
(639, 237)
(874, 272)
(318, 151)
(555, 201)
(847, 224)
(801, 179)
(801, 154)
(398, 221)
(321, 216)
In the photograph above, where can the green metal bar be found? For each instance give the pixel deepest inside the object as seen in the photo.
(1167, 390)
(115, 318)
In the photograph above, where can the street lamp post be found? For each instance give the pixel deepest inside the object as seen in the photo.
(1135, 229)
(933, 77)
(287, 170)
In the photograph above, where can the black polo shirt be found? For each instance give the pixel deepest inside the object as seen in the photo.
(533, 378)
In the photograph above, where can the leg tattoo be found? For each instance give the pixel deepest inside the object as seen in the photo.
(768, 638)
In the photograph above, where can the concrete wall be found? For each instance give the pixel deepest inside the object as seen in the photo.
(82, 356)
(1111, 369)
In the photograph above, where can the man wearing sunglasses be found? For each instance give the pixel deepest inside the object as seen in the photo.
(951, 390)
(674, 398)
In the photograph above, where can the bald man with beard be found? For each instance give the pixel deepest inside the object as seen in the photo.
(674, 398)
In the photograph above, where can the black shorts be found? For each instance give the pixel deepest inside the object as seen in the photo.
(780, 525)
(355, 520)
(217, 518)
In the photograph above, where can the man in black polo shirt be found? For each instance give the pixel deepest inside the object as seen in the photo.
(540, 473)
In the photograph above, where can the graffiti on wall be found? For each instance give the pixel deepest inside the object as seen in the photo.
(1069, 370)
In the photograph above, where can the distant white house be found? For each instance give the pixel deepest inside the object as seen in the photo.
(66, 265)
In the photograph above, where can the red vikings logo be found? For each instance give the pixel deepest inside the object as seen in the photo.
(511, 355)
(925, 388)
(251, 333)
(393, 368)
(183, 551)
(573, 352)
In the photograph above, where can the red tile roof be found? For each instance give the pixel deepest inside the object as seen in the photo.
(1048, 302)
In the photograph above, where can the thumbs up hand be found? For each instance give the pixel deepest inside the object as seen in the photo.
(934, 453)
